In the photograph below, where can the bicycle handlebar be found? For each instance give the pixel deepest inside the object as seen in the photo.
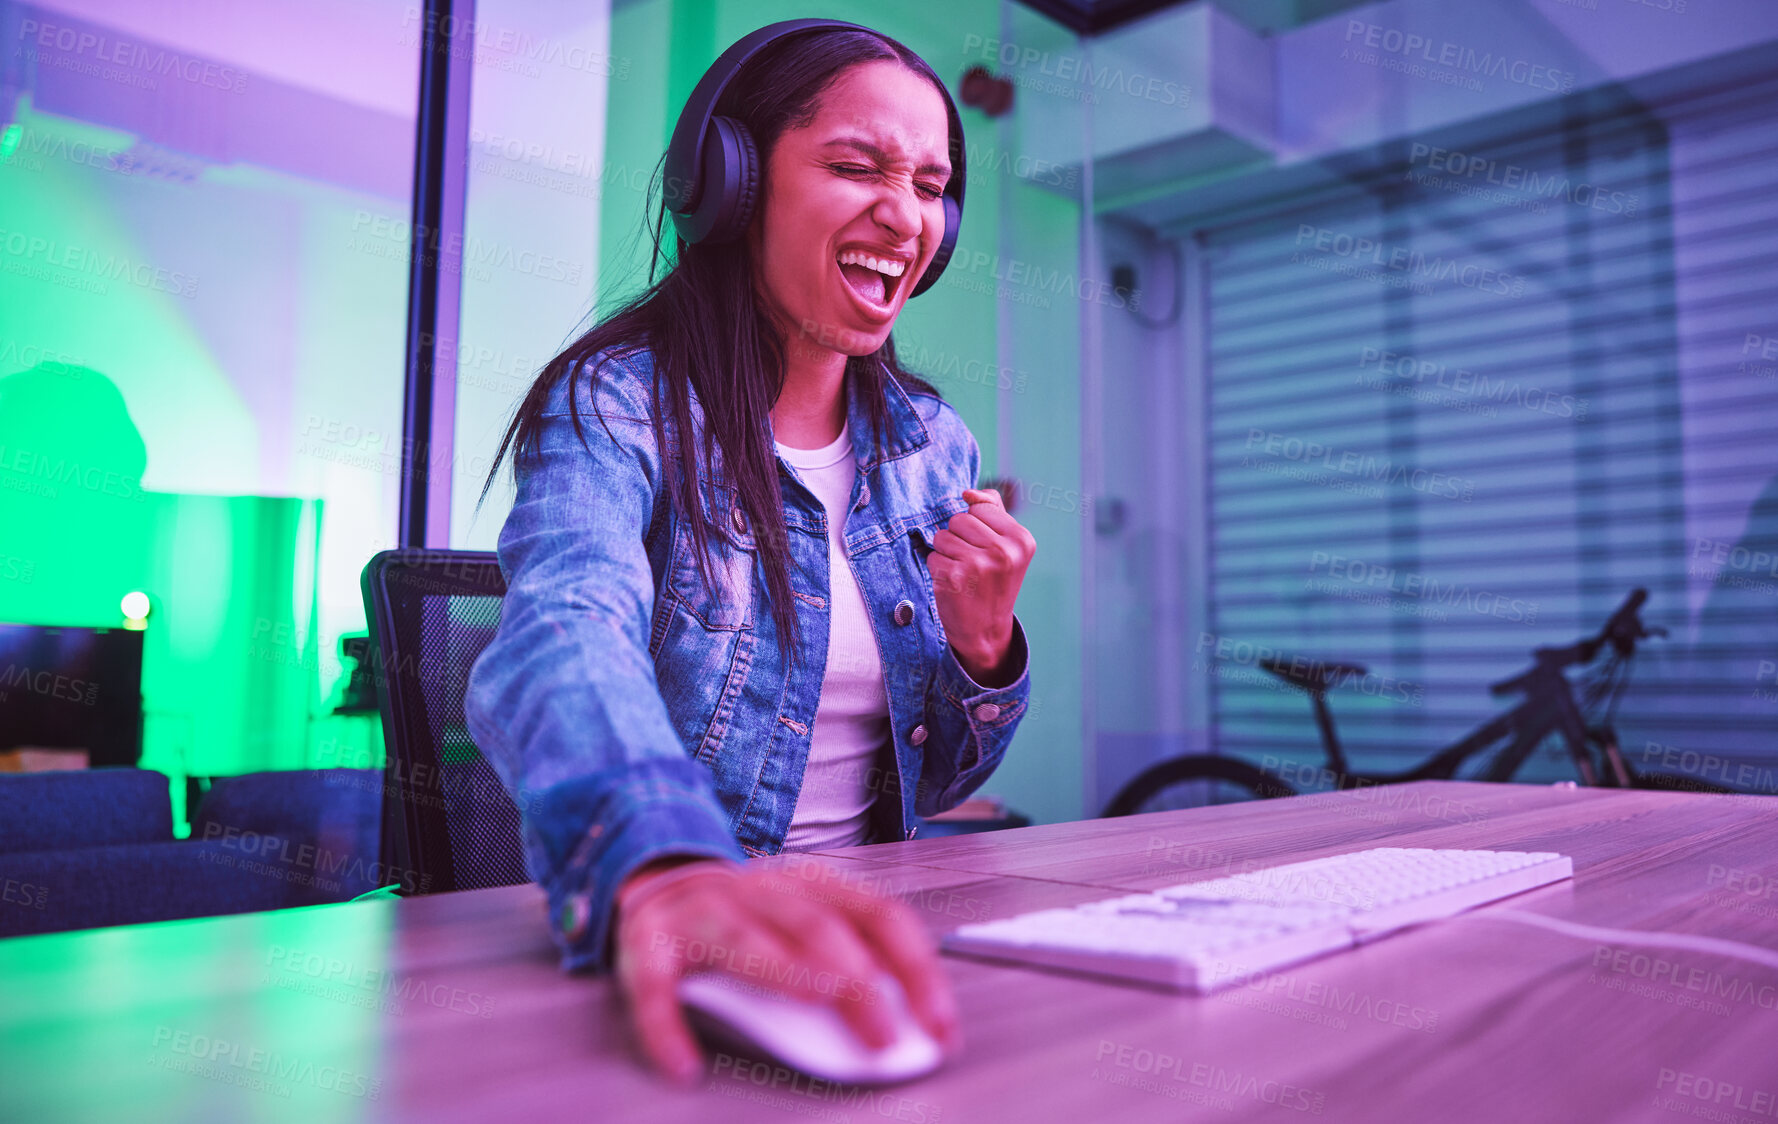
(1625, 627)
(1621, 631)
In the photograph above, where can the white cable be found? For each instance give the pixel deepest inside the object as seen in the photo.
(1751, 952)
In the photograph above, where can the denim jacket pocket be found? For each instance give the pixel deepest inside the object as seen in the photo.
(733, 553)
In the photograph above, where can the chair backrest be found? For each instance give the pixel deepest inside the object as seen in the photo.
(448, 821)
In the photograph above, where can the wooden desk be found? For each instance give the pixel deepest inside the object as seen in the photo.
(452, 1007)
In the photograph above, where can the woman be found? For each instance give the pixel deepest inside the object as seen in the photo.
(758, 607)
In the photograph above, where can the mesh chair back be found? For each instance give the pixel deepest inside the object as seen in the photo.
(448, 821)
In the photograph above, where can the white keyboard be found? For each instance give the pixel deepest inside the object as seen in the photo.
(1205, 935)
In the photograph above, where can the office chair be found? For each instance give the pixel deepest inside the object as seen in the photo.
(448, 821)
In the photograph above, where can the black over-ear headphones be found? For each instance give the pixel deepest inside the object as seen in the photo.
(713, 168)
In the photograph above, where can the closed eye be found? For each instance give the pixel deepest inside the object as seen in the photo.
(929, 191)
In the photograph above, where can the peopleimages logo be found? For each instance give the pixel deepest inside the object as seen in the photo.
(124, 55)
(1244, 653)
(775, 1086)
(14, 354)
(1710, 1098)
(1520, 178)
(210, 1055)
(1734, 556)
(477, 254)
(1170, 1073)
(1710, 766)
(491, 38)
(30, 467)
(1739, 880)
(380, 982)
(1251, 984)
(94, 265)
(1766, 350)
(138, 159)
(1453, 56)
(1076, 70)
(14, 892)
(1371, 575)
(1659, 971)
(945, 366)
(1040, 279)
(306, 862)
(1412, 263)
(1461, 380)
(1359, 465)
(50, 685)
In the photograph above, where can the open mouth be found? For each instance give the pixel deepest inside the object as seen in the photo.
(873, 279)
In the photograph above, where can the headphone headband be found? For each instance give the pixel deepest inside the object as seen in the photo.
(712, 168)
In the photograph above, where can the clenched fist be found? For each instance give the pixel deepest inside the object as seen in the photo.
(977, 564)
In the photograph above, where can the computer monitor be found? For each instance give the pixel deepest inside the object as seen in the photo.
(72, 688)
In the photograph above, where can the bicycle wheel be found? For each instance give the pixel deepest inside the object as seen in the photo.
(1192, 781)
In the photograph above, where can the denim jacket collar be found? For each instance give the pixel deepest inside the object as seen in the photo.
(906, 431)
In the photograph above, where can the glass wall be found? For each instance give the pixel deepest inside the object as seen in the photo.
(545, 78)
(203, 294)
(1475, 339)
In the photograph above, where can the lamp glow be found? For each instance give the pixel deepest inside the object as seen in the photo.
(135, 609)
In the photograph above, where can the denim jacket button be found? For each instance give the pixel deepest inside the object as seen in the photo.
(918, 737)
(904, 612)
(739, 519)
(987, 712)
(577, 914)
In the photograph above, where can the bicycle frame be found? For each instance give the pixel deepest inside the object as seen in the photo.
(1549, 707)
(1527, 724)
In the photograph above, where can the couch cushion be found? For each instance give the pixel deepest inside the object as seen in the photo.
(83, 808)
(337, 812)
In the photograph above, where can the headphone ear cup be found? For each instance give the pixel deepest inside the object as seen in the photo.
(728, 185)
(731, 181)
(941, 257)
(748, 173)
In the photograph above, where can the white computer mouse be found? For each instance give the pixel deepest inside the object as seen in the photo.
(811, 1037)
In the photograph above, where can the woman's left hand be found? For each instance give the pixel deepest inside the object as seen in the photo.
(977, 565)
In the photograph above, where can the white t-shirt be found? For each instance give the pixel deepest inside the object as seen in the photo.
(852, 718)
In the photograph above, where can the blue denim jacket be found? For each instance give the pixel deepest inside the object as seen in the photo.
(634, 714)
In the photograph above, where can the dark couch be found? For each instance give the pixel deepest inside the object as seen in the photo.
(92, 847)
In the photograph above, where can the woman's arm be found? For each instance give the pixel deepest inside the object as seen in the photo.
(564, 703)
(969, 727)
(982, 685)
(622, 828)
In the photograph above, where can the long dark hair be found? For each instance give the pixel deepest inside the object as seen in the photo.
(735, 356)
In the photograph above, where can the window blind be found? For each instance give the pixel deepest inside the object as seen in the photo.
(1461, 405)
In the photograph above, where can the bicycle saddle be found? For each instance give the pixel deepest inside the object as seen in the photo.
(1312, 675)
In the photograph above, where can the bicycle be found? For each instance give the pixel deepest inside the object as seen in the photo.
(1549, 707)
